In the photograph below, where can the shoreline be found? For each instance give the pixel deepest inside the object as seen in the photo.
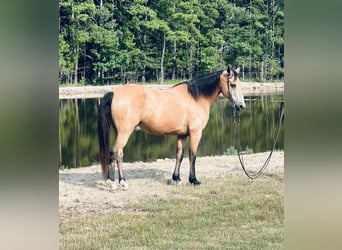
(82, 191)
(248, 88)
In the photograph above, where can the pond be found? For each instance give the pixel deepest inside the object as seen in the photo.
(78, 144)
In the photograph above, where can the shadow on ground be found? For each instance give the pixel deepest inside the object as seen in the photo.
(91, 179)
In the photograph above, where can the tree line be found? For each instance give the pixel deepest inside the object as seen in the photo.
(102, 42)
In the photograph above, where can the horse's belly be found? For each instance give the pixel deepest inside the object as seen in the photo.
(163, 128)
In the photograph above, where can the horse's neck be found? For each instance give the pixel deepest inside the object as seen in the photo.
(204, 101)
(211, 99)
(207, 101)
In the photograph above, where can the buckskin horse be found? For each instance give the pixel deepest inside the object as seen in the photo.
(181, 110)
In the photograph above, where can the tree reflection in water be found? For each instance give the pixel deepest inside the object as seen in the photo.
(78, 132)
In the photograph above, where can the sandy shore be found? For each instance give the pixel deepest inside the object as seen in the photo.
(82, 190)
(249, 88)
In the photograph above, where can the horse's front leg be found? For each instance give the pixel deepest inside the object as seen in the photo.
(179, 157)
(193, 145)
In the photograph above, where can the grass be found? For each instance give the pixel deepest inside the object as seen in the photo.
(229, 212)
(233, 151)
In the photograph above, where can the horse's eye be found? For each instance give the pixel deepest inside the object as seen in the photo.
(233, 85)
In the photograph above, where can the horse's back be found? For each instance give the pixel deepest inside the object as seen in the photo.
(136, 98)
(154, 111)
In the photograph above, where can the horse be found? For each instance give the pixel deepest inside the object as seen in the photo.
(181, 110)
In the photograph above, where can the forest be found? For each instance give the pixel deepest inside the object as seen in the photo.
(119, 41)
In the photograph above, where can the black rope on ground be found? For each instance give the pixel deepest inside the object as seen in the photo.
(237, 137)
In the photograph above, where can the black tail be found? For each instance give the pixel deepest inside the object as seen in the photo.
(103, 128)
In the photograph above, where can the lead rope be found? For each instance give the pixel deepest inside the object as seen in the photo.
(236, 116)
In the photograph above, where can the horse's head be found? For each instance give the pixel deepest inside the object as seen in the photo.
(231, 88)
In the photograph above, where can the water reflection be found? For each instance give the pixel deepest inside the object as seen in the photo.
(78, 132)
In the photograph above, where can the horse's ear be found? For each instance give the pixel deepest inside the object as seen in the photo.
(228, 70)
(238, 70)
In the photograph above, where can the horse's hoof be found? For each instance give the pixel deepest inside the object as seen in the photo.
(194, 181)
(111, 184)
(111, 176)
(124, 185)
(176, 178)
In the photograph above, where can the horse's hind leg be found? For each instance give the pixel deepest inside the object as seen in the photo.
(111, 173)
(110, 181)
(120, 143)
(179, 158)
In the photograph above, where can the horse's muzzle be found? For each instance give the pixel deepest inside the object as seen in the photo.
(239, 107)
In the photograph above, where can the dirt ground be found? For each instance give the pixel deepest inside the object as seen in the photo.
(82, 191)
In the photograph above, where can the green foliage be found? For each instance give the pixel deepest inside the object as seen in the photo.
(230, 151)
(248, 150)
(103, 42)
(233, 151)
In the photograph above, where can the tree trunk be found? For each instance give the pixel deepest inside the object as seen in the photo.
(198, 57)
(76, 53)
(174, 66)
(76, 65)
(174, 60)
(143, 78)
(188, 47)
(84, 67)
(250, 67)
(162, 60)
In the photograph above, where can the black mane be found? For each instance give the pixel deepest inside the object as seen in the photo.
(204, 85)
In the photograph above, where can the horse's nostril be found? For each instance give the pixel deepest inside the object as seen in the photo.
(237, 107)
